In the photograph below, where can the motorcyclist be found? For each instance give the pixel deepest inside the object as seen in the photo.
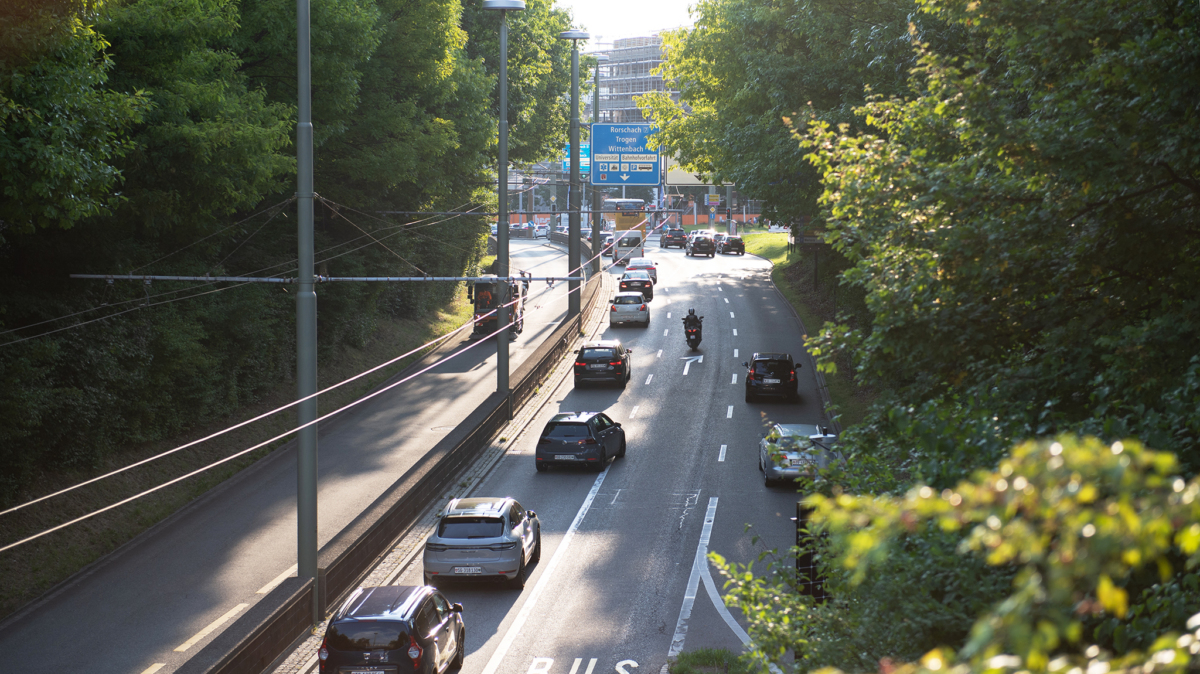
(692, 320)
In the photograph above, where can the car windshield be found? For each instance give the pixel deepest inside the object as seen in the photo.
(629, 299)
(471, 527)
(773, 368)
(565, 431)
(599, 353)
(366, 635)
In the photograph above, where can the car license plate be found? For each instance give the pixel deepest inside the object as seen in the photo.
(468, 569)
(597, 366)
(798, 462)
(566, 457)
(770, 381)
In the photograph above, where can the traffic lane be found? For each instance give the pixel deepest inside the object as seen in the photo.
(161, 591)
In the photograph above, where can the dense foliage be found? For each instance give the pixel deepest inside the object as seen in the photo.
(1067, 524)
(155, 137)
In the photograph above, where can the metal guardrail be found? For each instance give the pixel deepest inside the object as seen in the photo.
(274, 624)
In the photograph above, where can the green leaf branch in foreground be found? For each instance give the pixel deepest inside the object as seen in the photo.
(1070, 520)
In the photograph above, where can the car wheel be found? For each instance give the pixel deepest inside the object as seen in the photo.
(429, 580)
(541, 467)
(578, 384)
(457, 662)
(603, 461)
(621, 451)
(712, 254)
(517, 582)
(537, 548)
(749, 398)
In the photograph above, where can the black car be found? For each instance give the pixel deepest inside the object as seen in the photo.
(579, 439)
(603, 360)
(673, 237)
(398, 629)
(732, 244)
(638, 282)
(700, 245)
(772, 374)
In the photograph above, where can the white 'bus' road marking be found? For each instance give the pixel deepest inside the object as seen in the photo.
(699, 563)
(212, 627)
(722, 456)
(734, 378)
(729, 412)
(515, 628)
(633, 413)
(649, 377)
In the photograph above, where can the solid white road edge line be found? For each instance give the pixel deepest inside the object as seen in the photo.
(511, 635)
(278, 579)
(711, 586)
(154, 668)
(699, 562)
(212, 627)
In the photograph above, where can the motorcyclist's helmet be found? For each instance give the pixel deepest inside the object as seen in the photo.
(691, 312)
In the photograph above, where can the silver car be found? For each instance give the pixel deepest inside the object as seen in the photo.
(629, 307)
(789, 451)
(483, 538)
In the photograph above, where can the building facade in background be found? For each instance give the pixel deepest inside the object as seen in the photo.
(627, 75)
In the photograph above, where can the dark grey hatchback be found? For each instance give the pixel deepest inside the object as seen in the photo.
(772, 374)
(579, 439)
(395, 629)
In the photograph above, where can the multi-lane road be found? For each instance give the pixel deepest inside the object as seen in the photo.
(617, 570)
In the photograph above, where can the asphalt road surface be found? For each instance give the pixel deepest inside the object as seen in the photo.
(618, 562)
(152, 600)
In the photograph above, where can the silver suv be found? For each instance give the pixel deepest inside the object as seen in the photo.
(483, 538)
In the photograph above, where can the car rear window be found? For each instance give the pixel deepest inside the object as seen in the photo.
(628, 300)
(630, 241)
(599, 353)
(772, 367)
(734, 239)
(471, 527)
(565, 431)
(366, 635)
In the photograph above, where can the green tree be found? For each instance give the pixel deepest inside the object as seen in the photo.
(1069, 521)
(62, 130)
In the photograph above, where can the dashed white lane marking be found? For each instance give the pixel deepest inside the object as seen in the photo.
(212, 627)
(699, 566)
(726, 300)
(668, 314)
(660, 353)
(649, 377)
(735, 353)
(735, 332)
(731, 314)
(734, 378)
(722, 456)
(154, 668)
(665, 332)
(527, 608)
(278, 579)
(633, 413)
(729, 412)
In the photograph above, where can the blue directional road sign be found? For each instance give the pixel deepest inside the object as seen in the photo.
(585, 161)
(620, 155)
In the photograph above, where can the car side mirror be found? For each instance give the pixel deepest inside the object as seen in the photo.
(457, 608)
(617, 424)
(628, 350)
(613, 301)
(531, 514)
(747, 365)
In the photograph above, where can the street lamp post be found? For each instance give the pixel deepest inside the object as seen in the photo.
(573, 303)
(597, 216)
(502, 339)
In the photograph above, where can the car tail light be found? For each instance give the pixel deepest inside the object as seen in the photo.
(643, 308)
(793, 375)
(414, 652)
(579, 363)
(323, 653)
(614, 307)
(615, 363)
(543, 441)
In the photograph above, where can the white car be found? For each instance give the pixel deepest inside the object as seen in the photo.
(629, 307)
(643, 264)
(791, 450)
(481, 538)
(541, 231)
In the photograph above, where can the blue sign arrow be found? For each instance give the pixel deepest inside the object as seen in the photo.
(620, 155)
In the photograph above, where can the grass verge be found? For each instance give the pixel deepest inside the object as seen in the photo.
(34, 568)
(792, 274)
(708, 661)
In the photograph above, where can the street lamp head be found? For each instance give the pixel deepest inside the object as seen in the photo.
(504, 5)
(571, 34)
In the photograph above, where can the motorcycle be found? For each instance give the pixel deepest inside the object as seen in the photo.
(693, 334)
